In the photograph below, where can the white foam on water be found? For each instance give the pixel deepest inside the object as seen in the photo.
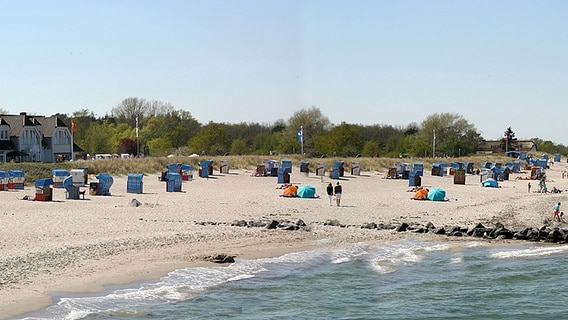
(346, 254)
(475, 244)
(437, 247)
(184, 284)
(456, 260)
(530, 252)
(392, 256)
(241, 277)
(76, 314)
(341, 260)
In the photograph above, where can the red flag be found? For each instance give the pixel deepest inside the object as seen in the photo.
(73, 125)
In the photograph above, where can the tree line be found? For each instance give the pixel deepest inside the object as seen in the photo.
(156, 128)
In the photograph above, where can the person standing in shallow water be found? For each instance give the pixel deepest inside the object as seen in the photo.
(338, 191)
(330, 193)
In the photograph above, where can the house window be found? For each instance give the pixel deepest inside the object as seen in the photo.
(4, 134)
(30, 137)
(61, 137)
(26, 137)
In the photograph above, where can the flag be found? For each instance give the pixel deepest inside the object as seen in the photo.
(301, 135)
(73, 125)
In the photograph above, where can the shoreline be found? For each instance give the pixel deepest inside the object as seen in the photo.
(120, 271)
(85, 245)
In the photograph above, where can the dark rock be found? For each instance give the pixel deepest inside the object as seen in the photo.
(499, 225)
(479, 226)
(402, 227)
(334, 223)
(273, 224)
(430, 225)
(533, 235)
(556, 235)
(453, 229)
(221, 258)
(135, 203)
(369, 225)
(503, 232)
(239, 223)
(300, 223)
(289, 227)
(439, 231)
(520, 236)
(421, 230)
(387, 226)
(257, 224)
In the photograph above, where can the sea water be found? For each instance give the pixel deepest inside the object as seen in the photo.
(407, 279)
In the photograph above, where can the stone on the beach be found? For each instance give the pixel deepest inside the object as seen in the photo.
(135, 203)
(439, 231)
(503, 232)
(386, 226)
(421, 230)
(368, 225)
(239, 223)
(273, 225)
(257, 224)
(556, 235)
(332, 222)
(402, 227)
(221, 258)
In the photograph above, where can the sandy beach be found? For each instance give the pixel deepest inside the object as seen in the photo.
(81, 245)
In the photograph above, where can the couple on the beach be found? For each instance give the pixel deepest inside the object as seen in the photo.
(331, 191)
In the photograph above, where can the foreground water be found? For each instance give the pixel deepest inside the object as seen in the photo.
(409, 279)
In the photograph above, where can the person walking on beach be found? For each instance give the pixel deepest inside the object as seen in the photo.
(330, 193)
(556, 212)
(338, 191)
(529, 186)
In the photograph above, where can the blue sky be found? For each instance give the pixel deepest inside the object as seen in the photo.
(495, 63)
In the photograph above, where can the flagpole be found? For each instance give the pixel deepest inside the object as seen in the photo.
(302, 128)
(434, 144)
(137, 140)
(72, 142)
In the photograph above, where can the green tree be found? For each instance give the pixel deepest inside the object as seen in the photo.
(509, 142)
(211, 139)
(313, 122)
(169, 133)
(286, 142)
(546, 146)
(239, 147)
(370, 149)
(83, 120)
(344, 140)
(99, 139)
(453, 134)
